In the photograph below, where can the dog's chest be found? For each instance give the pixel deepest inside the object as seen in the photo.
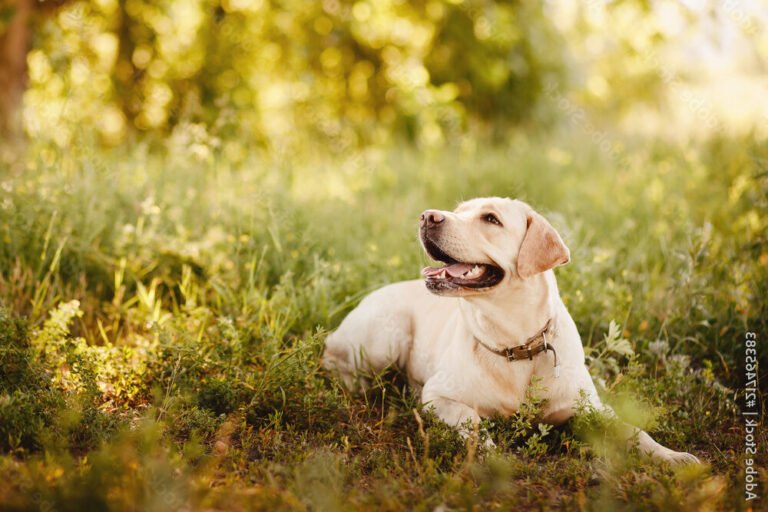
(495, 387)
(508, 382)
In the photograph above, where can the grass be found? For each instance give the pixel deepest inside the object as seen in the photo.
(162, 313)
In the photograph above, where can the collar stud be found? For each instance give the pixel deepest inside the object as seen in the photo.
(535, 345)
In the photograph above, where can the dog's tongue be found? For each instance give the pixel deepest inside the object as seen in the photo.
(453, 270)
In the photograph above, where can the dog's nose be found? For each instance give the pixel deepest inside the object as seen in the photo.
(431, 218)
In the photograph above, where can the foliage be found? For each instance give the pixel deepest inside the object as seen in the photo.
(163, 316)
(261, 69)
(28, 402)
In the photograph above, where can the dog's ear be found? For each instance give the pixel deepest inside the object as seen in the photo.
(542, 248)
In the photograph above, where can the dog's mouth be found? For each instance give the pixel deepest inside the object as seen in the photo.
(457, 274)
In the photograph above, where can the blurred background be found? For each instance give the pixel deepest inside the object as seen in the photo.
(348, 74)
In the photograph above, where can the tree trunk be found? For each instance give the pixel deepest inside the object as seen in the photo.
(15, 37)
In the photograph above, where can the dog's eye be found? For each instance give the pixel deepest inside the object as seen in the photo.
(489, 217)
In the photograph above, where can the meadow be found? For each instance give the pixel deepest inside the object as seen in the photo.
(163, 309)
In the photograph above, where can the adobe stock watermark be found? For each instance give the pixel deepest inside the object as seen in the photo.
(751, 415)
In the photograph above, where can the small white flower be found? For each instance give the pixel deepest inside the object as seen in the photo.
(659, 347)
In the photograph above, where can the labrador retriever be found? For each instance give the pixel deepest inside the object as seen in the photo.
(487, 322)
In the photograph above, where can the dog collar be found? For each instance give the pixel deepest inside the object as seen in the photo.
(536, 344)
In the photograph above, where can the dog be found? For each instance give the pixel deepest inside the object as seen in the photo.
(475, 332)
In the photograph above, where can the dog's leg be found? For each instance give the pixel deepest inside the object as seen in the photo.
(456, 414)
(645, 442)
(647, 445)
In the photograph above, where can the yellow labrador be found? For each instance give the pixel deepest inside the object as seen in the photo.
(484, 325)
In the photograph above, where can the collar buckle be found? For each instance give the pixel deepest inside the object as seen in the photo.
(527, 348)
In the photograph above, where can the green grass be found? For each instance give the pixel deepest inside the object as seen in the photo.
(162, 317)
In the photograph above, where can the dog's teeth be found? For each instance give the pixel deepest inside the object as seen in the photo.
(476, 270)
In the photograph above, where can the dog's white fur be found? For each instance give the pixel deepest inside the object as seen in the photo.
(436, 338)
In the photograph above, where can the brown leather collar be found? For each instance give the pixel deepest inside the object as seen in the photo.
(536, 344)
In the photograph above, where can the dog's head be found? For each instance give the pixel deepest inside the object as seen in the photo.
(485, 242)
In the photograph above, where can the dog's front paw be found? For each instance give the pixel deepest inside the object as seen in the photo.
(674, 457)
